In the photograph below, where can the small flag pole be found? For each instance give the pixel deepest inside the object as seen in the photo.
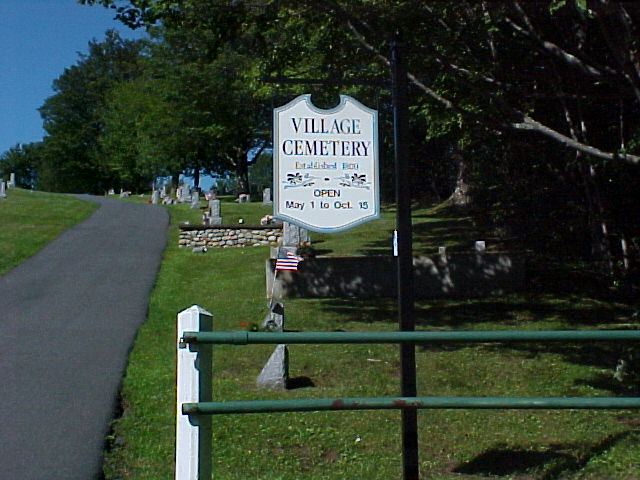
(273, 285)
(288, 262)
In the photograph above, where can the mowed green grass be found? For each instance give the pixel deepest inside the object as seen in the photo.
(29, 220)
(463, 444)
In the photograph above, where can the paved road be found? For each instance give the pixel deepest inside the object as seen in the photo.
(68, 317)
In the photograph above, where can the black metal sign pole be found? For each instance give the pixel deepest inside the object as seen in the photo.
(405, 245)
(406, 318)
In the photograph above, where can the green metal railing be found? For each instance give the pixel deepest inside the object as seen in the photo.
(203, 340)
(374, 403)
(502, 336)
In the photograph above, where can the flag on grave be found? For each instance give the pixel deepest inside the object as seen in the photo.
(290, 262)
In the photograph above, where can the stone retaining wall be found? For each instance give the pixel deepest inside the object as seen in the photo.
(228, 236)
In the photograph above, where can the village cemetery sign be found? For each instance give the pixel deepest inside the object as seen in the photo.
(325, 165)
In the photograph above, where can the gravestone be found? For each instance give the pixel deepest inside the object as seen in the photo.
(2, 190)
(266, 197)
(184, 196)
(275, 373)
(214, 215)
(163, 191)
(293, 236)
(274, 320)
(12, 180)
(195, 199)
(481, 246)
(155, 197)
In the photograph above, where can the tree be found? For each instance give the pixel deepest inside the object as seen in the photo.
(139, 139)
(72, 116)
(535, 97)
(23, 160)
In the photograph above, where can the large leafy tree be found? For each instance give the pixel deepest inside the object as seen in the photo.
(139, 138)
(471, 44)
(72, 117)
(209, 58)
(534, 102)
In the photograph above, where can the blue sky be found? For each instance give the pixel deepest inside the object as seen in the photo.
(39, 39)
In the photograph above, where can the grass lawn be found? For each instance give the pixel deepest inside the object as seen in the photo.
(463, 444)
(29, 220)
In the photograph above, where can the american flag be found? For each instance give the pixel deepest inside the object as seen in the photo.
(290, 262)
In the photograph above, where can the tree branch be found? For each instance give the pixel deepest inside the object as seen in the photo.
(529, 123)
(550, 47)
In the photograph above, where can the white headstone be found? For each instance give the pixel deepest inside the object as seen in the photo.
(274, 320)
(183, 196)
(214, 208)
(2, 190)
(195, 199)
(293, 236)
(480, 246)
(155, 197)
(275, 372)
(12, 180)
(266, 196)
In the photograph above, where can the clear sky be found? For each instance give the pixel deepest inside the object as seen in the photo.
(39, 39)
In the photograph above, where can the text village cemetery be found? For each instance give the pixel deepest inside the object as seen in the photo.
(325, 164)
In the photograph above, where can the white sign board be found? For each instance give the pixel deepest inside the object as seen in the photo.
(325, 164)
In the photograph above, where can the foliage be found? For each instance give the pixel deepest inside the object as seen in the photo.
(531, 107)
(20, 160)
(72, 157)
(139, 137)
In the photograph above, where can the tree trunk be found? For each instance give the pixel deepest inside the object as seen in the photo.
(196, 176)
(242, 173)
(600, 245)
(460, 196)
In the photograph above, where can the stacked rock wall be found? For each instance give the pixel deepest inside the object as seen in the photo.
(233, 236)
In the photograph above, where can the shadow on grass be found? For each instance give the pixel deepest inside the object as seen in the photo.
(552, 463)
(299, 382)
(498, 463)
(455, 234)
(512, 312)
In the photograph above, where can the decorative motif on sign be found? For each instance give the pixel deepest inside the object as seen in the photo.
(296, 179)
(354, 180)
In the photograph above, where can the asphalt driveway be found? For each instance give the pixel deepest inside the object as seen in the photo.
(68, 317)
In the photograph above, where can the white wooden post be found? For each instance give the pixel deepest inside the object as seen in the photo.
(193, 434)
